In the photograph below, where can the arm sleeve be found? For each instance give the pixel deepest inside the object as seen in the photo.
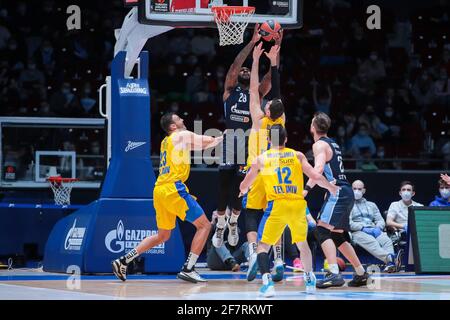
(276, 94)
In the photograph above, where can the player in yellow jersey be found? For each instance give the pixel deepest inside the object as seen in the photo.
(281, 172)
(255, 201)
(171, 197)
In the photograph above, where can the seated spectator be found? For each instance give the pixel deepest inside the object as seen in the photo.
(362, 143)
(373, 67)
(367, 225)
(397, 217)
(444, 191)
(225, 257)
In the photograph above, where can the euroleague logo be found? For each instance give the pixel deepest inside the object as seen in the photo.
(124, 240)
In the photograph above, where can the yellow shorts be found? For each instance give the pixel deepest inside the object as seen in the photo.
(256, 197)
(279, 214)
(172, 200)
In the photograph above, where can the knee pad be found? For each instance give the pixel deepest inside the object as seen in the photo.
(322, 234)
(339, 238)
(252, 218)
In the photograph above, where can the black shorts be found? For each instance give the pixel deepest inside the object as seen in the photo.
(336, 209)
(230, 178)
(233, 152)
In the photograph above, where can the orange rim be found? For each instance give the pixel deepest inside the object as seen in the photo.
(226, 11)
(59, 179)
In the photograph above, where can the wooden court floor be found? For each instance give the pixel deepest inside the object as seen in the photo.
(28, 284)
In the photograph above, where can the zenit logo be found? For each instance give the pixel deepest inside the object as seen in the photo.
(133, 145)
(74, 238)
(124, 240)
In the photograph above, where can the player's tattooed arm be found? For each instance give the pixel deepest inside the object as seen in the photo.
(251, 176)
(255, 103)
(315, 176)
(235, 68)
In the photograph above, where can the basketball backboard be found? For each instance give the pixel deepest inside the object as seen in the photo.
(197, 13)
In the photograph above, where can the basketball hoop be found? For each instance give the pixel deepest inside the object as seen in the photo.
(61, 189)
(231, 22)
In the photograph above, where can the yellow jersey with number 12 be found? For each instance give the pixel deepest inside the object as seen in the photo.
(174, 163)
(282, 175)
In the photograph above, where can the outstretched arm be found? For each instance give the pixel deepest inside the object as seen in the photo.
(188, 139)
(233, 72)
(267, 82)
(255, 103)
(315, 176)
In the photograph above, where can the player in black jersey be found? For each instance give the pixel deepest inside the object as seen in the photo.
(236, 99)
(333, 220)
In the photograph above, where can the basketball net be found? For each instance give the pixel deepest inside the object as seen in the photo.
(62, 188)
(232, 22)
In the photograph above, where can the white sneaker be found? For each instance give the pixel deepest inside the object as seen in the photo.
(119, 269)
(233, 234)
(267, 290)
(310, 282)
(191, 276)
(217, 239)
(252, 267)
(279, 270)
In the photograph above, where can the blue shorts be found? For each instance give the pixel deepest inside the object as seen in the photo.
(336, 209)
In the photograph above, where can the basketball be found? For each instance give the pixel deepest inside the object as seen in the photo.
(270, 30)
(340, 262)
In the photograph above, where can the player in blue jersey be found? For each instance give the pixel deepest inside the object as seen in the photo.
(236, 99)
(333, 219)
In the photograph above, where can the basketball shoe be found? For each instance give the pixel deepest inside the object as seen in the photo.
(119, 269)
(331, 280)
(310, 282)
(359, 281)
(233, 234)
(190, 275)
(267, 290)
(279, 270)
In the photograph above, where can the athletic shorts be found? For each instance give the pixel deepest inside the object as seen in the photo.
(336, 209)
(230, 179)
(256, 196)
(278, 215)
(172, 200)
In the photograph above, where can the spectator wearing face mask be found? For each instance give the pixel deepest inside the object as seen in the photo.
(397, 217)
(367, 225)
(444, 191)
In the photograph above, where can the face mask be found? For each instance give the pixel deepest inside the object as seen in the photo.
(341, 133)
(358, 194)
(406, 195)
(389, 114)
(66, 91)
(373, 57)
(445, 193)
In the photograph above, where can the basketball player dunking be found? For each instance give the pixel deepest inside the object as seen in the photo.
(333, 220)
(171, 197)
(236, 100)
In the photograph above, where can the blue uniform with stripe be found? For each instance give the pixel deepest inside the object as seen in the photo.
(336, 209)
(238, 120)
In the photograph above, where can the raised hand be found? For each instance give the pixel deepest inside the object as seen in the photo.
(256, 36)
(279, 40)
(273, 54)
(257, 51)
